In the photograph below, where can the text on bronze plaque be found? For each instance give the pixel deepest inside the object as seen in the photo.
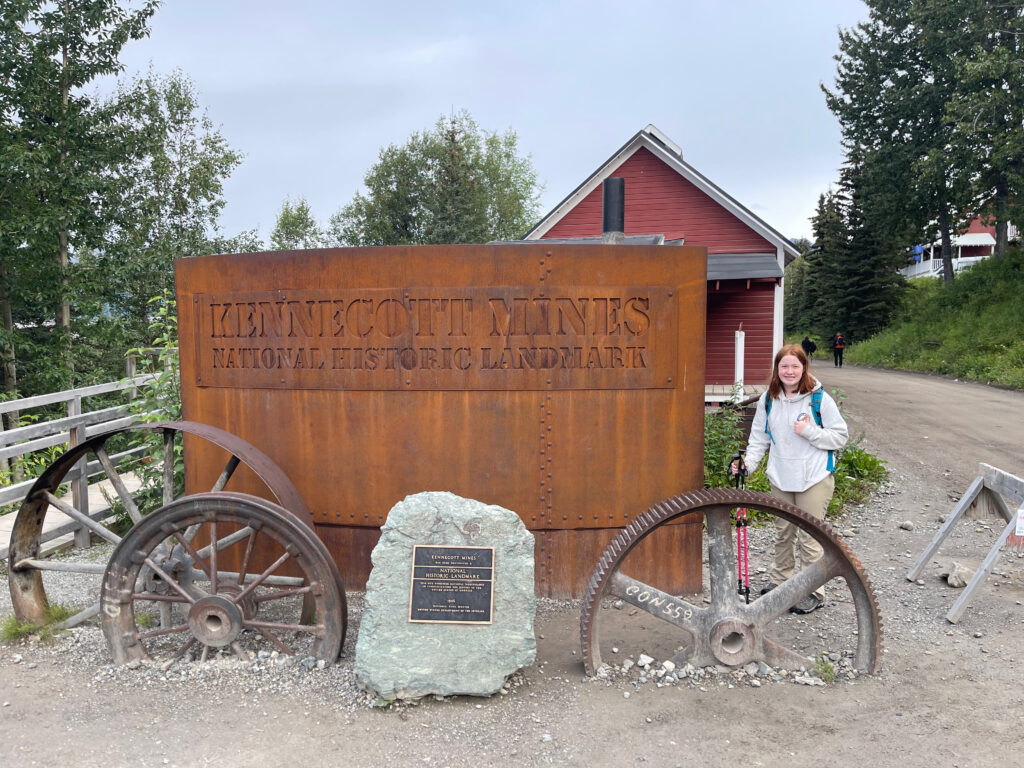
(452, 585)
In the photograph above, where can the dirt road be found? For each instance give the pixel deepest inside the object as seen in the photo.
(946, 696)
(933, 420)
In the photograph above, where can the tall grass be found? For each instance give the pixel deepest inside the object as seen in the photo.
(972, 328)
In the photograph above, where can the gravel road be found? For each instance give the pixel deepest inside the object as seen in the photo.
(947, 695)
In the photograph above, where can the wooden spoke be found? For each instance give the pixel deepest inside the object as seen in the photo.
(213, 556)
(240, 652)
(196, 559)
(263, 576)
(57, 565)
(181, 651)
(88, 522)
(226, 473)
(168, 495)
(156, 597)
(122, 490)
(226, 542)
(275, 641)
(170, 582)
(279, 594)
(314, 629)
(81, 616)
(158, 632)
(248, 553)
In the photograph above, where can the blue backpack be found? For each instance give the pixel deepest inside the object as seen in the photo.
(815, 411)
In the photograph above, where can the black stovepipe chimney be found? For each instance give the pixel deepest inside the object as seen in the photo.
(614, 211)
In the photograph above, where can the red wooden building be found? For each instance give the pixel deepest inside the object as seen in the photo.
(746, 257)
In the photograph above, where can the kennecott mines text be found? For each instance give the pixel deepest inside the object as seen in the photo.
(430, 317)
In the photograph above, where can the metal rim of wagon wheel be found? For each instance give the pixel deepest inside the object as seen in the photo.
(211, 609)
(28, 593)
(728, 631)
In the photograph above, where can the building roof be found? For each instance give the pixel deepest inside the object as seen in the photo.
(595, 240)
(742, 266)
(973, 238)
(669, 153)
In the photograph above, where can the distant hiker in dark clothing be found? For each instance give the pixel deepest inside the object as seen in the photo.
(809, 346)
(838, 345)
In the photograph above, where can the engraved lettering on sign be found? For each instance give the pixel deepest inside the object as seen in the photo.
(502, 337)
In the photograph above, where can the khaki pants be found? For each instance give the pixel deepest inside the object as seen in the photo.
(789, 539)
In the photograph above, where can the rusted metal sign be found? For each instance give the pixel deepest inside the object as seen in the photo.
(562, 382)
(476, 338)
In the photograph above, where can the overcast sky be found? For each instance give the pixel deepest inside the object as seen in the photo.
(310, 91)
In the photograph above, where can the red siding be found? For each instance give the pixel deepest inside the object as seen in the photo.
(975, 226)
(660, 201)
(727, 308)
(971, 251)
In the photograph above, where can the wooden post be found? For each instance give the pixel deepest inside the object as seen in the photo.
(981, 574)
(958, 511)
(738, 373)
(5, 464)
(80, 480)
(130, 365)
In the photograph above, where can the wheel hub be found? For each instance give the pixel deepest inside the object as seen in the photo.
(247, 605)
(733, 643)
(215, 621)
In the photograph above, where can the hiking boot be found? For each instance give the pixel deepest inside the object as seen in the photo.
(768, 588)
(808, 605)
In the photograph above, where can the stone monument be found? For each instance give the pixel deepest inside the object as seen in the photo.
(450, 600)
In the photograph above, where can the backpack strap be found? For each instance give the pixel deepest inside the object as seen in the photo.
(767, 410)
(816, 410)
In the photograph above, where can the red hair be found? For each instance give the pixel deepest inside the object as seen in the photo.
(806, 383)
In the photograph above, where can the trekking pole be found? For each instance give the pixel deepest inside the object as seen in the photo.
(742, 562)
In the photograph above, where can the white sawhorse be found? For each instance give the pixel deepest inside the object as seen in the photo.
(987, 491)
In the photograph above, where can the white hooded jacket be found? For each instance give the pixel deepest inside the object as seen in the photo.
(796, 462)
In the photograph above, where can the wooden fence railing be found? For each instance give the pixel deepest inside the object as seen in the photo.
(78, 425)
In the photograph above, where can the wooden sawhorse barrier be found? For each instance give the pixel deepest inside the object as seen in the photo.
(986, 492)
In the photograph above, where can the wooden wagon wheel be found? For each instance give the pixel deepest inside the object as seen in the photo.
(720, 627)
(26, 569)
(156, 565)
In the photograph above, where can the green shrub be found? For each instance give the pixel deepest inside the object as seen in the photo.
(970, 328)
(825, 670)
(12, 630)
(858, 472)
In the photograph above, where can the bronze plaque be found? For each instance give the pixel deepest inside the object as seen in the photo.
(451, 585)
(498, 337)
(564, 382)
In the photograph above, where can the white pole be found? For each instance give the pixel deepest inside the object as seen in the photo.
(737, 387)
